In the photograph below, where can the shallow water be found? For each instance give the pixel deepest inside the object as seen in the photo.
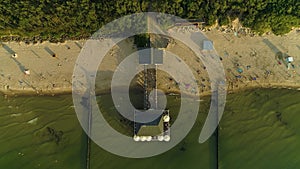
(259, 129)
(40, 132)
(188, 154)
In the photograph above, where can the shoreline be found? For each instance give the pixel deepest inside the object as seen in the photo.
(55, 92)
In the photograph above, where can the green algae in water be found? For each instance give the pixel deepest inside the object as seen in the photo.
(40, 132)
(188, 154)
(260, 129)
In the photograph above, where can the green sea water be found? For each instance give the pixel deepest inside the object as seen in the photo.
(40, 132)
(260, 129)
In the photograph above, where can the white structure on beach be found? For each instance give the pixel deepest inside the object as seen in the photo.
(208, 45)
(27, 72)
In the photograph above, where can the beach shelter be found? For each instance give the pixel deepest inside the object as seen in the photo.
(27, 72)
(152, 56)
(290, 59)
(208, 45)
(144, 57)
(157, 56)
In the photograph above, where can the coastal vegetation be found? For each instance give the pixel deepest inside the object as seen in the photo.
(58, 20)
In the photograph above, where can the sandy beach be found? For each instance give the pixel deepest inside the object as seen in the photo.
(248, 62)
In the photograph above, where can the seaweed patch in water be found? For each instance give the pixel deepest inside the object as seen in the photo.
(55, 135)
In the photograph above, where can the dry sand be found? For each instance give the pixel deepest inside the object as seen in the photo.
(254, 55)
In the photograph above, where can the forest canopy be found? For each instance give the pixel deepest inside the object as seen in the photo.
(75, 19)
